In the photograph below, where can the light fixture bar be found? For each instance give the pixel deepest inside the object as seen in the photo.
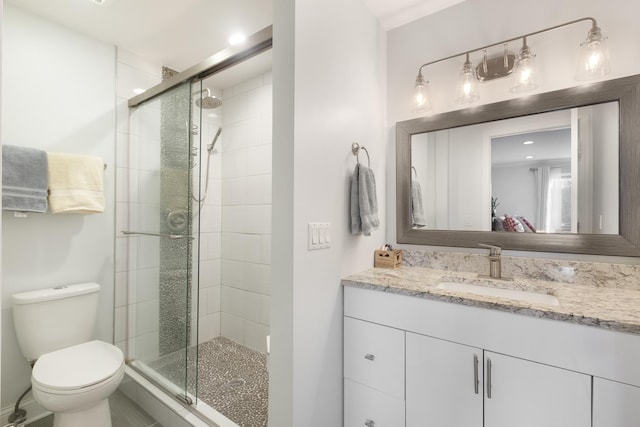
(594, 26)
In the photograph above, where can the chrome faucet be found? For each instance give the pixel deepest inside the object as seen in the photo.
(495, 261)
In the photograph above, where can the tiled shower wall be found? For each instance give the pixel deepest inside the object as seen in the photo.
(209, 221)
(246, 212)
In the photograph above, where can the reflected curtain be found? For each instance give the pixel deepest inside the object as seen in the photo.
(541, 176)
(549, 196)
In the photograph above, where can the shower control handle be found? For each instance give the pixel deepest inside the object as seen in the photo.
(370, 423)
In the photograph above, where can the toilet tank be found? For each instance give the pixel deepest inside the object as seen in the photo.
(50, 319)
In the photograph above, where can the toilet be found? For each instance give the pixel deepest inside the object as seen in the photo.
(73, 376)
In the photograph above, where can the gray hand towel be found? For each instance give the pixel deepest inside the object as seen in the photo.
(24, 179)
(364, 203)
(356, 223)
(417, 209)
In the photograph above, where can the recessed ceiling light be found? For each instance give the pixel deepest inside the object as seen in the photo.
(138, 91)
(529, 157)
(237, 38)
(100, 2)
(528, 142)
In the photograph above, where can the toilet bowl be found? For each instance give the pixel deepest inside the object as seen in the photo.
(75, 382)
(72, 375)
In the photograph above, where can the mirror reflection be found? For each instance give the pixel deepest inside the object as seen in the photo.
(555, 172)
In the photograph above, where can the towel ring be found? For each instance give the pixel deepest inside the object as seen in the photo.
(355, 149)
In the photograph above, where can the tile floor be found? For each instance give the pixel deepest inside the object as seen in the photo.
(124, 413)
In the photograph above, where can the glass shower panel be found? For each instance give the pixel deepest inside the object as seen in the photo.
(162, 286)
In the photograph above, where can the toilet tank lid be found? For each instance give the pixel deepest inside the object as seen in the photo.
(58, 292)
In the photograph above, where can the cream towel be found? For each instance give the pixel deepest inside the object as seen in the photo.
(75, 183)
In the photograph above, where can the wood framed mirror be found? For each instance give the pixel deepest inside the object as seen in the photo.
(625, 241)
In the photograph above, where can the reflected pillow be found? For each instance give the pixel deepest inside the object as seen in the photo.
(512, 224)
(527, 224)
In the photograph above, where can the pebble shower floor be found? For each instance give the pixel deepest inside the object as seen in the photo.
(232, 379)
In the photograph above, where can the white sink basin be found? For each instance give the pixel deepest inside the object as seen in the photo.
(525, 296)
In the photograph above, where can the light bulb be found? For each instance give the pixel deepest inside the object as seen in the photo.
(593, 60)
(420, 94)
(525, 72)
(467, 92)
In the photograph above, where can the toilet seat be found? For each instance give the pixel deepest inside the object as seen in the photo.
(78, 369)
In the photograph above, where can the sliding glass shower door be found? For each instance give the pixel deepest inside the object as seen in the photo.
(160, 242)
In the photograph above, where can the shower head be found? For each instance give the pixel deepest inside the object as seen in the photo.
(208, 102)
(215, 139)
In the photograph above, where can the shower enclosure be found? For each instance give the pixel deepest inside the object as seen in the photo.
(196, 237)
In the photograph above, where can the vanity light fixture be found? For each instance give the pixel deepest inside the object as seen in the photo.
(593, 64)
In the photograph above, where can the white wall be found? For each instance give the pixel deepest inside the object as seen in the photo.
(246, 212)
(475, 23)
(57, 100)
(328, 92)
(1, 103)
(605, 153)
(515, 188)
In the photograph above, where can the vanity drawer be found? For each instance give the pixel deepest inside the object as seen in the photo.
(366, 407)
(374, 356)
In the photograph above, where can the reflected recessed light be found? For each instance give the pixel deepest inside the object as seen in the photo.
(138, 91)
(528, 142)
(212, 115)
(237, 38)
(529, 157)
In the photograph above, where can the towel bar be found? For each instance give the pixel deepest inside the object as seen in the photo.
(170, 236)
(355, 149)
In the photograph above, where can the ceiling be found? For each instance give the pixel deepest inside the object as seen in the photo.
(547, 145)
(182, 33)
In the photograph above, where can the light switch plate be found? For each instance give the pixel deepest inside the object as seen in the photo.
(319, 235)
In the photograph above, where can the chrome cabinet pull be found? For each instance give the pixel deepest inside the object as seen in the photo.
(369, 423)
(369, 357)
(489, 378)
(476, 381)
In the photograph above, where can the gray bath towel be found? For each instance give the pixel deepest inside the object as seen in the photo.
(24, 179)
(364, 203)
(417, 209)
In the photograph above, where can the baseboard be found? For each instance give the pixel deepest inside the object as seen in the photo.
(34, 411)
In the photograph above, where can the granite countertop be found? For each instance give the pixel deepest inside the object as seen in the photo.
(609, 308)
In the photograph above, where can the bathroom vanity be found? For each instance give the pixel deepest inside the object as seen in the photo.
(425, 347)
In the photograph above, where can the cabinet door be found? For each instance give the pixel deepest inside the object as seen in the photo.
(367, 407)
(444, 383)
(615, 404)
(527, 394)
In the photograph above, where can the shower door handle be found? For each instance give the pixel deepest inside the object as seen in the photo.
(140, 233)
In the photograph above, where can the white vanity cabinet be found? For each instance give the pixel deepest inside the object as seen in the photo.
(615, 404)
(442, 359)
(450, 384)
